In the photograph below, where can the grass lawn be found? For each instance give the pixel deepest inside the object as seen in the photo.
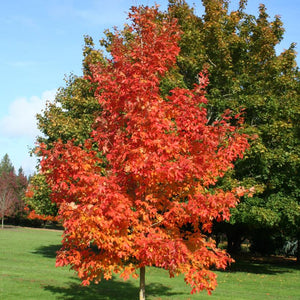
(27, 271)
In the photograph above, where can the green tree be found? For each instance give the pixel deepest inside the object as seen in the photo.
(6, 165)
(38, 196)
(238, 49)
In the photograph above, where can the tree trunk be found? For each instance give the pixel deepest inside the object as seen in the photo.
(234, 241)
(142, 283)
(298, 250)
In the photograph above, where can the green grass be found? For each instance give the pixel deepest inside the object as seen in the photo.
(27, 271)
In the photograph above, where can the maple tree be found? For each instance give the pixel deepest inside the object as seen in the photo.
(239, 50)
(245, 70)
(149, 198)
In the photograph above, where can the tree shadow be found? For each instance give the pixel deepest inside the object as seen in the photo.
(109, 290)
(48, 251)
(113, 289)
(262, 266)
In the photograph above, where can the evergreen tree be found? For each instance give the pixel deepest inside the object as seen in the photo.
(6, 165)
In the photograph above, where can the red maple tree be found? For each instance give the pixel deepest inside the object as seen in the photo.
(150, 199)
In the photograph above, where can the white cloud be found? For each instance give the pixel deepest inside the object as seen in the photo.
(21, 119)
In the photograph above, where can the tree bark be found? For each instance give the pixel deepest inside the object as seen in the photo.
(142, 283)
(2, 222)
(234, 241)
(298, 250)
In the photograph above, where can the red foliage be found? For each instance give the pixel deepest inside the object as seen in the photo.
(33, 215)
(151, 200)
(29, 191)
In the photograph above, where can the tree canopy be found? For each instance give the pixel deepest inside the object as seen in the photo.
(150, 197)
(245, 71)
(239, 51)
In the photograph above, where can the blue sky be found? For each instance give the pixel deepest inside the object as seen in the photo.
(41, 42)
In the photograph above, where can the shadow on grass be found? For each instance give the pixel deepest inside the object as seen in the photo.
(118, 290)
(112, 289)
(109, 290)
(262, 267)
(247, 265)
(48, 251)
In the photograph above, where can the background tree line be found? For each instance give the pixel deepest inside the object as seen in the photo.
(239, 52)
(24, 200)
(12, 190)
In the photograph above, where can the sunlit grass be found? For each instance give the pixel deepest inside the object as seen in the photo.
(27, 271)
